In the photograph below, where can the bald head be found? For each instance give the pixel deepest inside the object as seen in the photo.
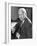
(22, 13)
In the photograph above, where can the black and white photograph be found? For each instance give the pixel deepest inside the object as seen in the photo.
(21, 22)
(18, 23)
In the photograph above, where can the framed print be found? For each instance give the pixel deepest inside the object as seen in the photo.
(19, 24)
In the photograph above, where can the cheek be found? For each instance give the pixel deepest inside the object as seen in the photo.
(21, 16)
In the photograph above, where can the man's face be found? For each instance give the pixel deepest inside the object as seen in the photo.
(21, 15)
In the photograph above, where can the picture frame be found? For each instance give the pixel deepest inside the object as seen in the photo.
(8, 21)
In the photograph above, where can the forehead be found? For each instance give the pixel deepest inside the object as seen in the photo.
(21, 11)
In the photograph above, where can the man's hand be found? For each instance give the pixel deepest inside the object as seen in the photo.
(17, 35)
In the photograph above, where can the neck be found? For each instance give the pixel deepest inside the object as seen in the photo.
(22, 22)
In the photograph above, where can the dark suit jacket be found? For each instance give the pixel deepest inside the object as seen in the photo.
(25, 30)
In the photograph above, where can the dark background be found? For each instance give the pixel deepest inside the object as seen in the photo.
(14, 12)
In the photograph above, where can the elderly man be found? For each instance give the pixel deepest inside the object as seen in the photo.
(23, 28)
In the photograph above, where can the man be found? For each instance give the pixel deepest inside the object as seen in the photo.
(23, 27)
